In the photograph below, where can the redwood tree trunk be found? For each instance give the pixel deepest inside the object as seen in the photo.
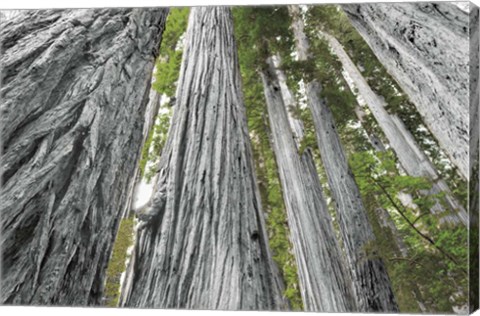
(203, 244)
(74, 90)
(371, 282)
(425, 46)
(323, 282)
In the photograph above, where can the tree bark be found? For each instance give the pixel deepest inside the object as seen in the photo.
(425, 46)
(371, 282)
(204, 243)
(74, 90)
(321, 269)
(413, 160)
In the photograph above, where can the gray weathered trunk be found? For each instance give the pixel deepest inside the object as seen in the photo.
(371, 282)
(413, 160)
(324, 286)
(204, 244)
(425, 46)
(74, 91)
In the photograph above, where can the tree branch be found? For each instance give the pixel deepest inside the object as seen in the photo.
(412, 225)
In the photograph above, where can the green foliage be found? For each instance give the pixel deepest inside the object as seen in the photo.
(434, 269)
(116, 265)
(335, 90)
(145, 153)
(170, 57)
(260, 33)
(155, 142)
(474, 232)
(326, 69)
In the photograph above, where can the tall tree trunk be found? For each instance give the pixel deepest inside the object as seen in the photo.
(413, 160)
(204, 243)
(424, 46)
(74, 90)
(321, 270)
(372, 285)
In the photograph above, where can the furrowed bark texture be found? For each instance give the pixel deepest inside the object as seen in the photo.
(324, 286)
(424, 46)
(74, 90)
(413, 160)
(371, 282)
(204, 245)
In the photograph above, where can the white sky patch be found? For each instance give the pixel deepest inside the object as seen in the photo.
(422, 128)
(181, 42)
(163, 109)
(143, 194)
(302, 95)
(354, 124)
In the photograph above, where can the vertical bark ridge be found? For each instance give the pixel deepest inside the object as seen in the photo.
(205, 244)
(414, 43)
(324, 286)
(373, 291)
(74, 91)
